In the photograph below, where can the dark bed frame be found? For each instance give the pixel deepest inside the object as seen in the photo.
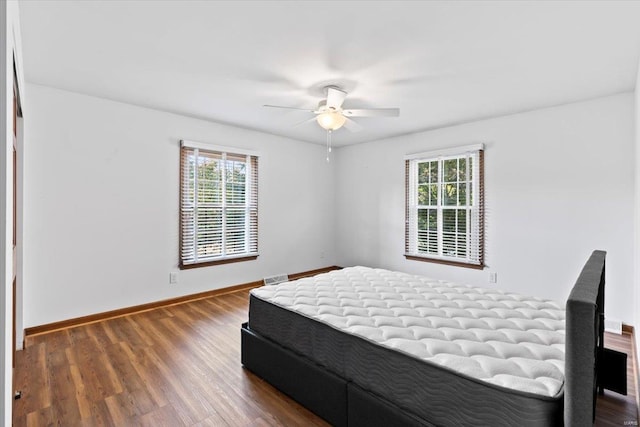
(343, 403)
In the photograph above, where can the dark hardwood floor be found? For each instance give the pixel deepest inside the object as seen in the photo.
(173, 366)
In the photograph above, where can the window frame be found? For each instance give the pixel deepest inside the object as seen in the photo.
(250, 204)
(475, 218)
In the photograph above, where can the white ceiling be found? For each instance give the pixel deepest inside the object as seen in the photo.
(440, 62)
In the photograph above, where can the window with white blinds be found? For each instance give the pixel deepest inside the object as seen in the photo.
(445, 206)
(218, 206)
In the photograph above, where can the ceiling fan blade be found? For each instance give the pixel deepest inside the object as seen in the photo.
(352, 126)
(335, 97)
(290, 108)
(312, 119)
(372, 112)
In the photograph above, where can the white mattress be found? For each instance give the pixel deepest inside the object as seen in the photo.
(505, 339)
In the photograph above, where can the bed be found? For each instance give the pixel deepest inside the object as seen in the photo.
(362, 346)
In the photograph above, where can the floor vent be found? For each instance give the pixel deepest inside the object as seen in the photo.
(274, 280)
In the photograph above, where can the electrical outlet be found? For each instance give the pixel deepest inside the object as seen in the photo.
(493, 277)
(173, 277)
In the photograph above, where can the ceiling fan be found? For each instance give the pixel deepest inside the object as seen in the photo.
(331, 116)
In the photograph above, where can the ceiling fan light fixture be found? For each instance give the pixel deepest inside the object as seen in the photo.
(331, 115)
(331, 120)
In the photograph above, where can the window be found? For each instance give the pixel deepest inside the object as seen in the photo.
(218, 205)
(444, 206)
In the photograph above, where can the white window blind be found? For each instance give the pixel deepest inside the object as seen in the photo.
(218, 206)
(444, 206)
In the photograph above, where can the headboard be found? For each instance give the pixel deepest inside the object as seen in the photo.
(584, 338)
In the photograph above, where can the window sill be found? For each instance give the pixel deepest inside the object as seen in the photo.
(445, 262)
(217, 262)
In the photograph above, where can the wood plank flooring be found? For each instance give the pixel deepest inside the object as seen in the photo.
(175, 366)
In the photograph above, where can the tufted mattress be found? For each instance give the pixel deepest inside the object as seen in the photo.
(447, 353)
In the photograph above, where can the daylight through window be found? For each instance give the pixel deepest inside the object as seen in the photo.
(444, 206)
(218, 205)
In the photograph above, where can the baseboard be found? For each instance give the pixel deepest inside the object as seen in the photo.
(636, 364)
(630, 330)
(92, 318)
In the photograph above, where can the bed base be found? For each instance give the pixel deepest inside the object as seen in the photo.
(306, 382)
(338, 401)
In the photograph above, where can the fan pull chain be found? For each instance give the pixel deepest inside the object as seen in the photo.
(328, 144)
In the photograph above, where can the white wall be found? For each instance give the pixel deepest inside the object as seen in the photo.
(559, 183)
(10, 50)
(101, 206)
